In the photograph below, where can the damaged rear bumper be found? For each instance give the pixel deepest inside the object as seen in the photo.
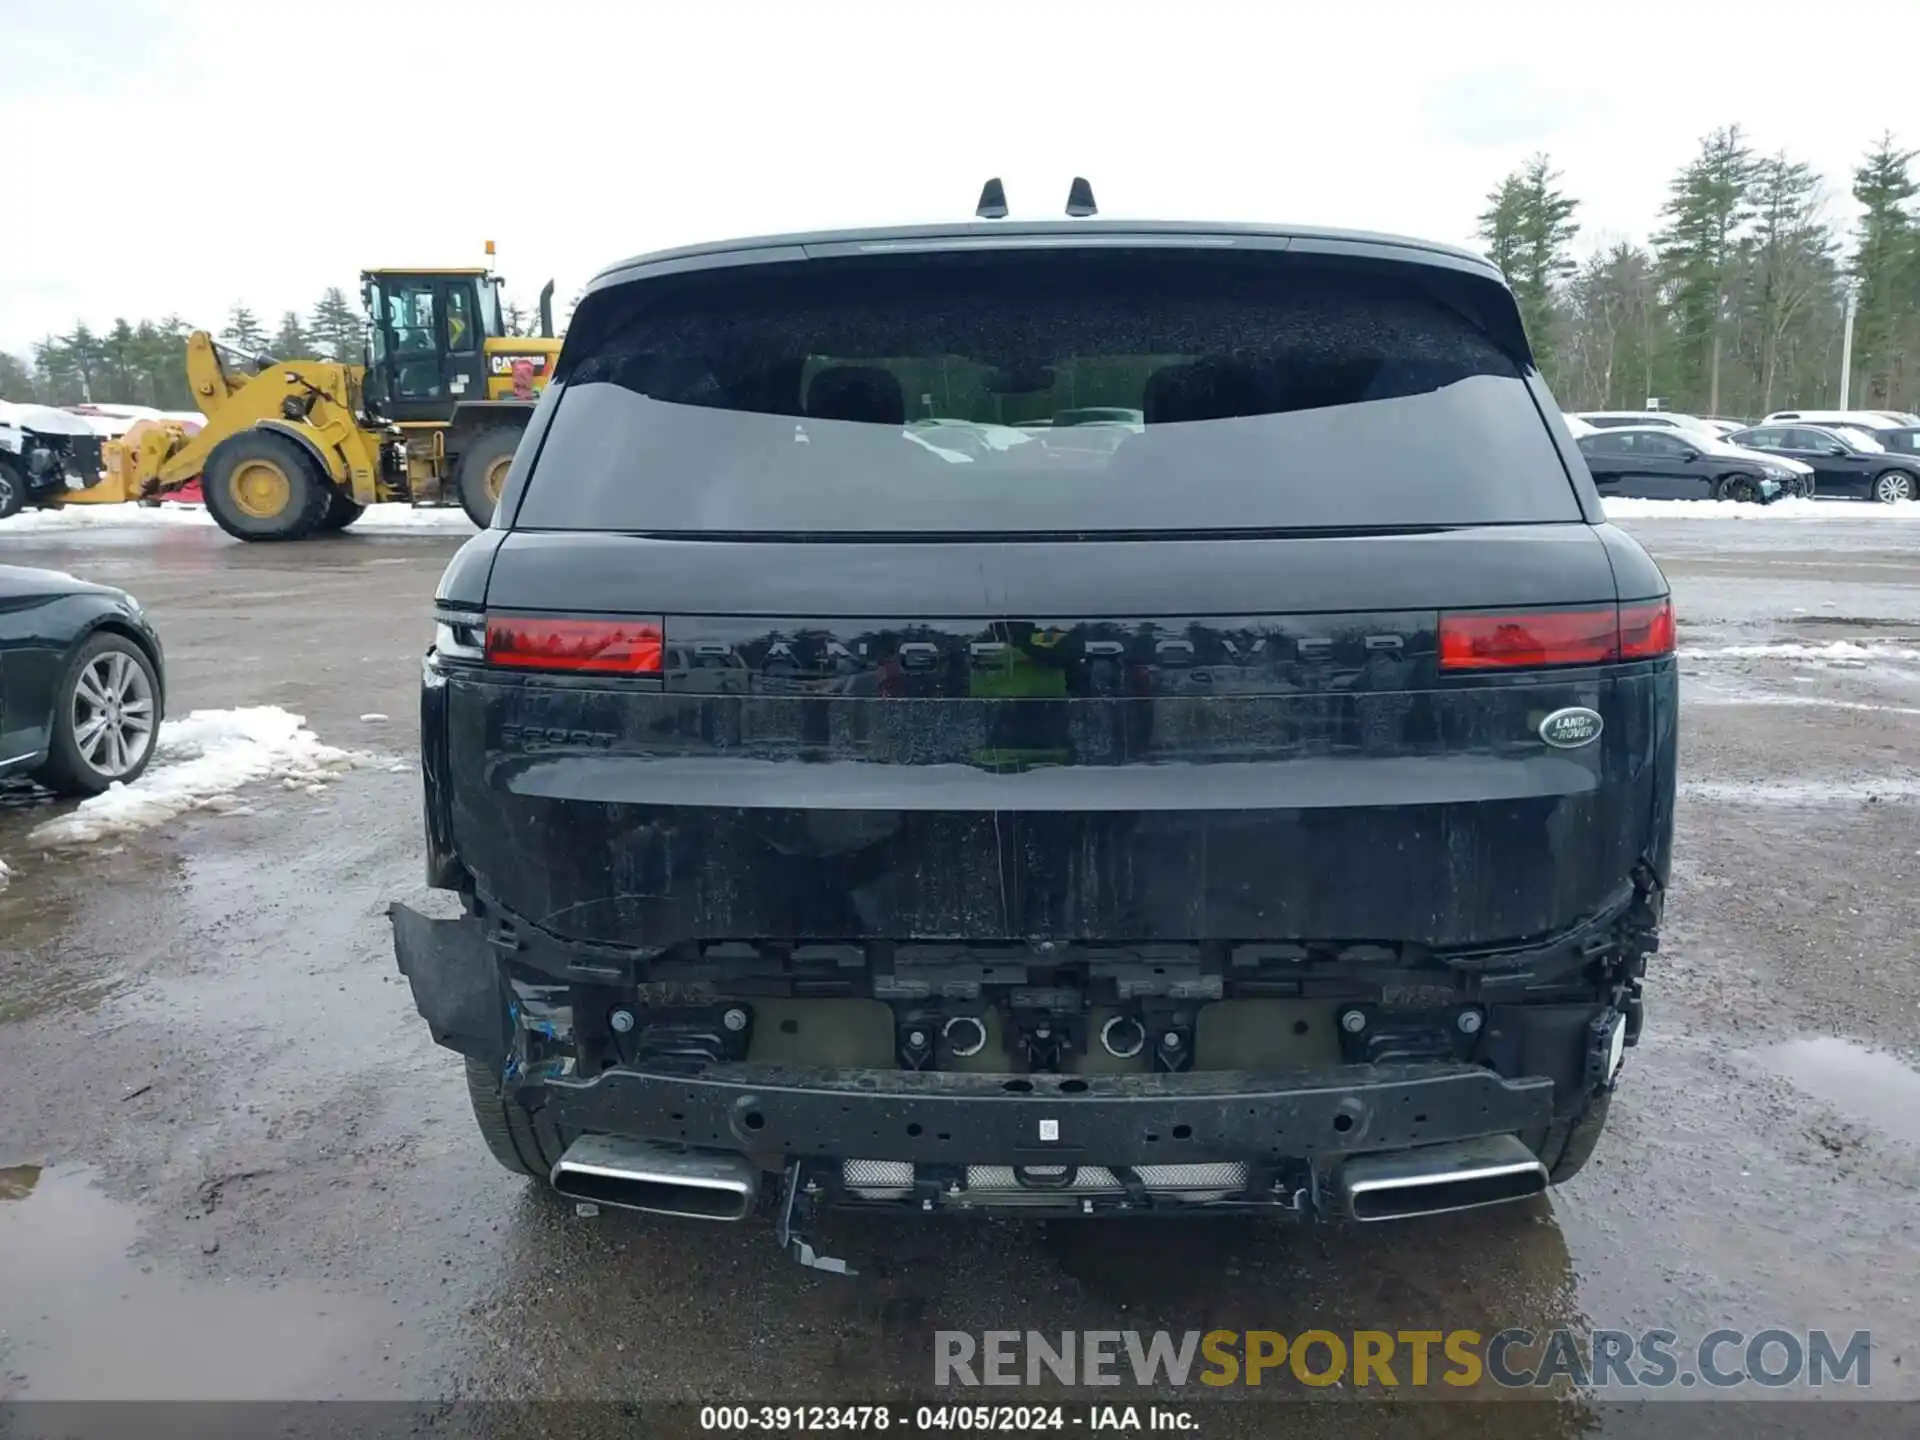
(936, 1139)
(774, 1115)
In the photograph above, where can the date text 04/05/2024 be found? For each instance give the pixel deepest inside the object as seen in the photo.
(944, 1419)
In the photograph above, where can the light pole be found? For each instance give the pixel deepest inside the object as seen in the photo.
(1846, 344)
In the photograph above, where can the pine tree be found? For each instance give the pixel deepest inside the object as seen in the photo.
(81, 348)
(243, 333)
(292, 342)
(16, 381)
(163, 350)
(54, 374)
(1789, 280)
(338, 331)
(1500, 225)
(1886, 267)
(515, 319)
(1529, 228)
(119, 372)
(1709, 203)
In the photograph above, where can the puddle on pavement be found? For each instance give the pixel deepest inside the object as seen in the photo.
(76, 929)
(81, 1317)
(1856, 1081)
(23, 795)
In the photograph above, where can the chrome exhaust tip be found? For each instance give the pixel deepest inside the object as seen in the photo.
(656, 1179)
(1437, 1179)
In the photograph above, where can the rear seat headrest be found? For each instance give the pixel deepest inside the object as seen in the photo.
(1203, 390)
(863, 393)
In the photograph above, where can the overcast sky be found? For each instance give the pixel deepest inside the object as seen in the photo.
(179, 155)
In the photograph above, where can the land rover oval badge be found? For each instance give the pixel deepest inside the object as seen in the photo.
(1571, 728)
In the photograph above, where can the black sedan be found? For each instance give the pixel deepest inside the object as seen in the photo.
(1845, 461)
(82, 682)
(1665, 464)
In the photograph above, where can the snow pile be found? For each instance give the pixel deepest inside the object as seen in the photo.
(199, 763)
(1791, 508)
(99, 517)
(85, 517)
(1790, 649)
(399, 516)
(5, 874)
(1796, 650)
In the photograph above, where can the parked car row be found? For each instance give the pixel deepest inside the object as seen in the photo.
(1675, 464)
(1863, 454)
(1845, 460)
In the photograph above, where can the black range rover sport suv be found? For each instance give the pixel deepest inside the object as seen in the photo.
(867, 786)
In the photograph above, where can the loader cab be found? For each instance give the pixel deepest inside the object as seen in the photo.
(426, 339)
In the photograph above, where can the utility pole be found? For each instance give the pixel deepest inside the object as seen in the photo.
(1713, 381)
(1846, 345)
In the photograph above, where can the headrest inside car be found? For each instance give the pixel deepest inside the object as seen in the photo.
(863, 393)
(1203, 390)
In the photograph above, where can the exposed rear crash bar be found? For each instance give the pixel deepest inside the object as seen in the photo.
(1036, 1120)
(1435, 1179)
(634, 1175)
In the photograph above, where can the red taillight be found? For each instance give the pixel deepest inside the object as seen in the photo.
(1646, 629)
(596, 647)
(1525, 639)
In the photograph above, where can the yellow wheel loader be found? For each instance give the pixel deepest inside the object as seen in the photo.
(300, 447)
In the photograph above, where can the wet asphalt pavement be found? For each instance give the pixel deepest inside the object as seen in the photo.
(232, 1164)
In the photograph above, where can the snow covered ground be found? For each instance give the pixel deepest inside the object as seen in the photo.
(1842, 652)
(406, 517)
(85, 517)
(202, 761)
(1788, 509)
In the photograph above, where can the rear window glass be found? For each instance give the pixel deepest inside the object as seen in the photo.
(1083, 391)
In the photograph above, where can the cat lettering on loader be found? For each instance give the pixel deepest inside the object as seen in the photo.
(301, 447)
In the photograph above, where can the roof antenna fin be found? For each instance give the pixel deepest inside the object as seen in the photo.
(993, 201)
(1080, 198)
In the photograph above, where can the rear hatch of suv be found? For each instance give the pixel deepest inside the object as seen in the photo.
(1148, 589)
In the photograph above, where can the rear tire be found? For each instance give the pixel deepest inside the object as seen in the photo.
(520, 1141)
(1583, 1137)
(484, 461)
(263, 486)
(342, 511)
(1892, 486)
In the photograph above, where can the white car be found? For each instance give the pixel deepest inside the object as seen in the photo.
(1858, 419)
(1614, 419)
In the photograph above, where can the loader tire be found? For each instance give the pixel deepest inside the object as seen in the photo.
(342, 511)
(524, 1143)
(262, 486)
(484, 461)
